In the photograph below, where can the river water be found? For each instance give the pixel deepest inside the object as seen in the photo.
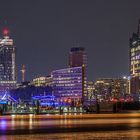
(61, 128)
(101, 135)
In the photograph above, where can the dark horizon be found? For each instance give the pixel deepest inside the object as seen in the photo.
(45, 31)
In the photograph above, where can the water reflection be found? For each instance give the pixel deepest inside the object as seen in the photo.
(33, 127)
(107, 135)
(3, 123)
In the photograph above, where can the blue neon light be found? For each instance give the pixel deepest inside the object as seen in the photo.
(3, 102)
(49, 104)
(7, 97)
(42, 97)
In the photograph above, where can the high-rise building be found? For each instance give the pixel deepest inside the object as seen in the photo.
(78, 58)
(7, 63)
(135, 61)
(68, 84)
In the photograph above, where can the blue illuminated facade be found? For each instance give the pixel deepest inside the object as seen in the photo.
(68, 85)
(48, 100)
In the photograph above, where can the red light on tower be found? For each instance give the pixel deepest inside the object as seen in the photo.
(5, 32)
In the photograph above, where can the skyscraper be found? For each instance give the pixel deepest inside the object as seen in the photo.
(135, 61)
(7, 62)
(78, 58)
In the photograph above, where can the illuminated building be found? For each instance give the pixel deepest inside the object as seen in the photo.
(78, 58)
(48, 100)
(68, 85)
(90, 89)
(135, 61)
(42, 81)
(106, 88)
(7, 63)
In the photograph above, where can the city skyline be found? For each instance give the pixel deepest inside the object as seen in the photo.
(44, 32)
(69, 69)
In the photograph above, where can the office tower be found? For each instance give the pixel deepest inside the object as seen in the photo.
(78, 58)
(7, 63)
(135, 61)
(68, 85)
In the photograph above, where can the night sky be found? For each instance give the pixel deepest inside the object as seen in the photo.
(45, 30)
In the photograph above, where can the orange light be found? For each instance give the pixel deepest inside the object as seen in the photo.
(69, 100)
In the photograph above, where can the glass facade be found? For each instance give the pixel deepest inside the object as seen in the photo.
(68, 83)
(135, 61)
(7, 64)
(135, 55)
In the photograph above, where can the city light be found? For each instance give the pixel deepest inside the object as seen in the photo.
(5, 32)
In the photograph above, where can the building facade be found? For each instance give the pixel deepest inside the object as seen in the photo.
(135, 61)
(68, 85)
(90, 90)
(78, 58)
(7, 63)
(42, 81)
(107, 88)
